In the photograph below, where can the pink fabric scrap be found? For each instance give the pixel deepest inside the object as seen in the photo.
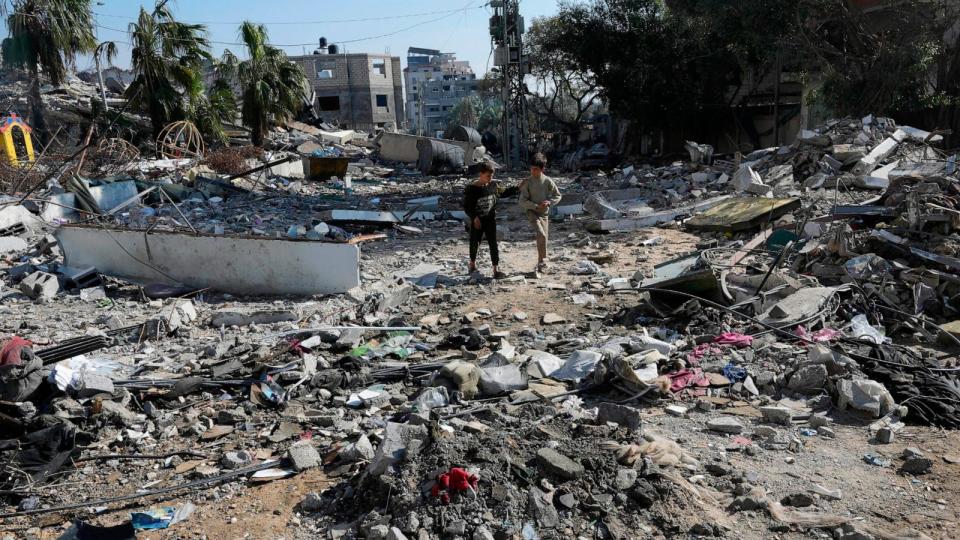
(734, 338)
(820, 336)
(687, 377)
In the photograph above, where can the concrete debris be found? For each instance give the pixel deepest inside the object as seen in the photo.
(725, 424)
(399, 441)
(557, 464)
(40, 286)
(303, 455)
(795, 310)
(621, 415)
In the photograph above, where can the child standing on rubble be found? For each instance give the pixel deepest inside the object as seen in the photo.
(479, 203)
(537, 194)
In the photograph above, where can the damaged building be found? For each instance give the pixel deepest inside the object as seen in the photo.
(435, 83)
(357, 91)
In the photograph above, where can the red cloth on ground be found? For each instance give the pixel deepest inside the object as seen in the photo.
(10, 354)
(455, 481)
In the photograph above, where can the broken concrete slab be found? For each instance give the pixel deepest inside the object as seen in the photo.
(725, 424)
(741, 214)
(683, 274)
(656, 218)
(952, 328)
(616, 203)
(303, 455)
(746, 179)
(798, 307)
(847, 153)
(16, 220)
(621, 415)
(12, 244)
(233, 318)
(296, 169)
(558, 464)
(812, 137)
(920, 135)
(879, 153)
(916, 171)
(60, 208)
(240, 265)
(878, 179)
(422, 275)
(397, 442)
(112, 195)
(370, 217)
(343, 136)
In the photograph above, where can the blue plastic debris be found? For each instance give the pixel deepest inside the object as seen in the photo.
(155, 518)
(328, 151)
(734, 373)
(876, 460)
(162, 517)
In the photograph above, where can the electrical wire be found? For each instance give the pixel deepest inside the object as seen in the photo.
(144, 494)
(328, 21)
(446, 14)
(456, 27)
(310, 44)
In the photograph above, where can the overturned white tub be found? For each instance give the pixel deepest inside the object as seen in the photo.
(232, 264)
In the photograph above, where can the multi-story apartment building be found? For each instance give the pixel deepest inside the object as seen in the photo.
(435, 83)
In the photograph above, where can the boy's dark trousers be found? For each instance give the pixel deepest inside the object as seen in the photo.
(488, 228)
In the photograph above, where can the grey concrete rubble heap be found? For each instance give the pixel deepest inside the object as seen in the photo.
(760, 345)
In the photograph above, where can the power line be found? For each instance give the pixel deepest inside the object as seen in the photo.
(328, 21)
(457, 25)
(312, 43)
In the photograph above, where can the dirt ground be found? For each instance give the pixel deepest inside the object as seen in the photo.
(880, 497)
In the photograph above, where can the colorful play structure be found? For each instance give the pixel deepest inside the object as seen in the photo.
(9, 126)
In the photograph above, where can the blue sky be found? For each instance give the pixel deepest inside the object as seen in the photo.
(459, 26)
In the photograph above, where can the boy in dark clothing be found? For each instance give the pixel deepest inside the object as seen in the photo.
(479, 203)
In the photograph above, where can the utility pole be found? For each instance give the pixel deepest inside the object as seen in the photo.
(96, 61)
(420, 115)
(776, 100)
(103, 89)
(506, 30)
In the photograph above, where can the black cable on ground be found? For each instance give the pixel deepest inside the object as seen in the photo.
(161, 491)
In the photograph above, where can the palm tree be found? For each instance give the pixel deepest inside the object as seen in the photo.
(271, 86)
(168, 58)
(45, 36)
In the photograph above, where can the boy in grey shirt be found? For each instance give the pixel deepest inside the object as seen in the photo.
(537, 194)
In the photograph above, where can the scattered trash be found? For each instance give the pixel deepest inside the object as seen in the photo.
(161, 518)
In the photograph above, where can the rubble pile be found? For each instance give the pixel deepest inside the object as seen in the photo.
(758, 346)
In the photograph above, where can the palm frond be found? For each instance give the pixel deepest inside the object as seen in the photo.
(168, 58)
